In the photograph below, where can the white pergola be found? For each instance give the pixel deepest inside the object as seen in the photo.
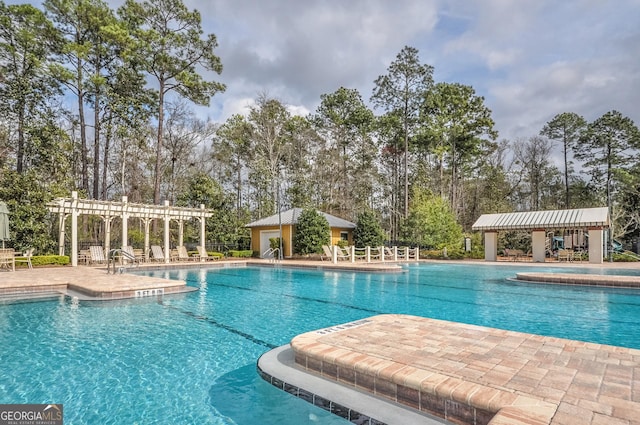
(593, 220)
(108, 210)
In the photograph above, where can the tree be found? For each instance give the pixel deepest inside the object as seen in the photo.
(431, 223)
(270, 144)
(27, 42)
(312, 231)
(231, 153)
(368, 231)
(566, 128)
(75, 20)
(401, 91)
(171, 50)
(538, 172)
(345, 122)
(456, 120)
(26, 198)
(608, 147)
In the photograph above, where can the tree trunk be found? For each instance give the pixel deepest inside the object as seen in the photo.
(96, 149)
(156, 184)
(84, 154)
(20, 147)
(105, 160)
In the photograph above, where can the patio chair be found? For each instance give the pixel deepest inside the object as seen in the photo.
(97, 254)
(565, 255)
(8, 259)
(204, 255)
(26, 257)
(157, 253)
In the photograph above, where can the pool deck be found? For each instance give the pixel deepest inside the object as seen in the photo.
(476, 375)
(94, 283)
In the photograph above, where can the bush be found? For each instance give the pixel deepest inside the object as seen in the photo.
(241, 254)
(46, 260)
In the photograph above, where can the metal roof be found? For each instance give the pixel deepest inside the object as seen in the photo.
(555, 219)
(291, 217)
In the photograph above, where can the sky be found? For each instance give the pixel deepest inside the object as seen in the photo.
(529, 59)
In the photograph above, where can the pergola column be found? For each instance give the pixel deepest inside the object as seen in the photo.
(125, 218)
(74, 229)
(595, 245)
(203, 224)
(107, 234)
(538, 242)
(180, 232)
(62, 219)
(167, 221)
(490, 246)
(147, 224)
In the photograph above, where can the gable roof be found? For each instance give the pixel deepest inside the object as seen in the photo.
(291, 217)
(555, 219)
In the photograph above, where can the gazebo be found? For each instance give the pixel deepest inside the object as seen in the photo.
(592, 220)
(108, 210)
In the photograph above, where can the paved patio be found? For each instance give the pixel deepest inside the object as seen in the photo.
(476, 375)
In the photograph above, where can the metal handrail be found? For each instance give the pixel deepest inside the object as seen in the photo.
(272, 252)
(111, 258)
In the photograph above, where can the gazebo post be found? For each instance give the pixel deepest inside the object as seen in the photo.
(595, 245)
(538, 239)
(490, 246)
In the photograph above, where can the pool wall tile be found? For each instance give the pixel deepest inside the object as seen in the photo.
(331, 406)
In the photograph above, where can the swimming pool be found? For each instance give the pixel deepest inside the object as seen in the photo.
(190, 359)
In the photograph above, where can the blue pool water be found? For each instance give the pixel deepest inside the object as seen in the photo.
(190, 359)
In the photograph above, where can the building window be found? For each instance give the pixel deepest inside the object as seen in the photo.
(344, 236)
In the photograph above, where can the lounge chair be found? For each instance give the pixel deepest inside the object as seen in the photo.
(97, 254)
(183, 255)
(204, 255)
(341, 253)
(327, 253)
(26, 257)
(157, 253)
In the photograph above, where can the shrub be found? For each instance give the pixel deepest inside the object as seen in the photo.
(312, 231)
(46, 260)
(368, 231)
(241, 254)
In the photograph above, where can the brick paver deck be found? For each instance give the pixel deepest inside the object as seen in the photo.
(477, 375)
